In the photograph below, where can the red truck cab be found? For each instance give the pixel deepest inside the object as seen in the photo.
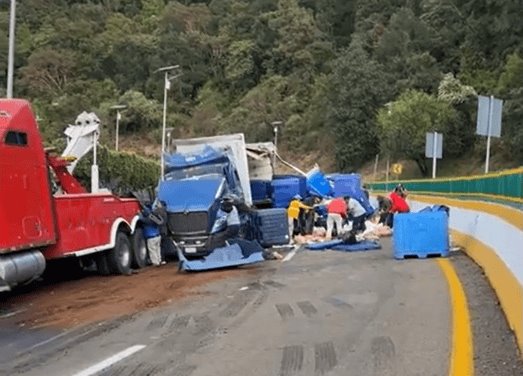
(37, 225)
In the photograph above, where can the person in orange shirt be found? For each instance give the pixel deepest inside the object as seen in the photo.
(293, 213)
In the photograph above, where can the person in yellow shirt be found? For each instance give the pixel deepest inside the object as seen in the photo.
(293, 213)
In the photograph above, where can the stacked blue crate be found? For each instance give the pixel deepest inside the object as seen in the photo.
(350, 185)
(318, 184)
(284, 188)
(260, 190)
(345, 184)
(421, 235)
(271, 227)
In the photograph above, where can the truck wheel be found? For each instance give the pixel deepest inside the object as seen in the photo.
(139, 249)
(120, 257)
(102, 265)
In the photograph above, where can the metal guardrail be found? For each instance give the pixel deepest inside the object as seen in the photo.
(505, 187)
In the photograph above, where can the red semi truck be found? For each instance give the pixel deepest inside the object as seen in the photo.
(46, 214)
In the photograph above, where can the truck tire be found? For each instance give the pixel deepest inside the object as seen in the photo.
(139, 249)
(120, 257)
(102, 264)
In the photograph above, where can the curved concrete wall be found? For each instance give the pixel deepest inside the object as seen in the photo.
(492, 235)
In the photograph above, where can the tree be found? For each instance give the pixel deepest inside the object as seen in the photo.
(48, 72)
(404, 123)
(357, 90)
(510, 87)
(463, 98)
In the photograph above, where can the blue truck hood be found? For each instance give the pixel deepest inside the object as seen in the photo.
(190, 195)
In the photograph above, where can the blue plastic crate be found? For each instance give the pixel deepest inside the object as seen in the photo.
(260, 190)
(421, 235)
(302, 187)
(318, 184)
(283, 190)
(345, 184)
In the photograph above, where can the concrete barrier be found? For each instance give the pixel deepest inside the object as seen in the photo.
(492, 235)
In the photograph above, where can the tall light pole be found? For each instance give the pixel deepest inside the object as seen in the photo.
(11, 58)
(118, 108)
(167, 87)
(275, 129)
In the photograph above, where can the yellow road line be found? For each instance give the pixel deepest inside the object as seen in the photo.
(462, 356)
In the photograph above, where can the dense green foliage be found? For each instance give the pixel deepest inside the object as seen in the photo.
(323, 67)
(120, 172)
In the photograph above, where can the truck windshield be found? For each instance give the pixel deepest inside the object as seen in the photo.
(213, 170)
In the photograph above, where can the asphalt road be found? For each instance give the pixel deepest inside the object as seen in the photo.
(320, 313)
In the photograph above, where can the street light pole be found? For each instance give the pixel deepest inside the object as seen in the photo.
(118, 107)
(275, 125)
(11, 57)
(166, 88)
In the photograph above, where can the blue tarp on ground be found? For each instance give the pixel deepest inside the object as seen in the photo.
(324, 245)
(366, 245)
(338, 245)
(233, 255)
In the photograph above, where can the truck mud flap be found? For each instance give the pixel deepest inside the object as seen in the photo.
(232, 255)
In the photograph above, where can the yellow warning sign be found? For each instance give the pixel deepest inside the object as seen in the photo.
(397, 168)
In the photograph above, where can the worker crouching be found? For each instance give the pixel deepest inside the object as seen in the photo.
(336, 214)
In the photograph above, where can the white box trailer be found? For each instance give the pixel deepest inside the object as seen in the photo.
(233, 142)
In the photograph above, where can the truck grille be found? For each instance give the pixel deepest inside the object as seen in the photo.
(188, 223)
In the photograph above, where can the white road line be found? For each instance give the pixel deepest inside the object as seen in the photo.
(49, 340)
(290, 254)
(11, 314)
(110, 361)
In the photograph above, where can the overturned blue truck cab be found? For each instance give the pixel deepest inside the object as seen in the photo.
(197, 177)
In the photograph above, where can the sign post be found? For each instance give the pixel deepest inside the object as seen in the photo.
(434, 149)
(489, 121)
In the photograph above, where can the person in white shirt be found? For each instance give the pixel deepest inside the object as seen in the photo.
(358, 214)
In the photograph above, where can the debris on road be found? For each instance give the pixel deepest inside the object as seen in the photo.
(67, 304)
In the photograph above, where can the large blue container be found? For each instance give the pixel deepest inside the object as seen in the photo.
(302, 182)
(345, 184)
(284, 189)
(318, 184)
(272, 227)
(260, 190)
(421, 235)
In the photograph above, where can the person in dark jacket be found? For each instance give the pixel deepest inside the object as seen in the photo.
(153, 221)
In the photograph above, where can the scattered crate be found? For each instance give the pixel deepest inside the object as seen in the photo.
(421, 235)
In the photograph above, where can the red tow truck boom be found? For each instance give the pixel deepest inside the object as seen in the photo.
(38, 224)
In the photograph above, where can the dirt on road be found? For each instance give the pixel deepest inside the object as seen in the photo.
(92, 298)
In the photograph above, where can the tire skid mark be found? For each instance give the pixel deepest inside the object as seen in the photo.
(179, 322)
(383, 352)
(285, 311)
(238, 303)
(324, 357)
(307, 308)
(292, 360)
(157, 322)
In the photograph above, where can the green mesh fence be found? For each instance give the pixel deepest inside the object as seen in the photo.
(505, 186)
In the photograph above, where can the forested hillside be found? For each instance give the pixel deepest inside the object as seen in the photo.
(352, 78)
